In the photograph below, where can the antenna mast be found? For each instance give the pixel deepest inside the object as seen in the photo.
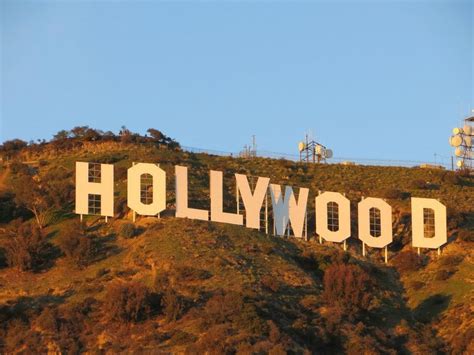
(249, 151)
(463, 141)
(312, 151)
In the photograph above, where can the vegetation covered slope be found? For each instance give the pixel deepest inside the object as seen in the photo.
(175, 285)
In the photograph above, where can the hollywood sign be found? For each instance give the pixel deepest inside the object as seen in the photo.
(95, 195)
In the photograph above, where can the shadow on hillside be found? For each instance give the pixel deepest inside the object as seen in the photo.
(3, 259)
(105, 247)
(25, 307)
(47, 259)
(468, 182)
(431, 307)
(51, 253)
(95, 225)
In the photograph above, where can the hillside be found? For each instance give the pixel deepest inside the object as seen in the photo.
(173, 285)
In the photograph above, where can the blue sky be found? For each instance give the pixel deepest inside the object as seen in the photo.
(371, 79)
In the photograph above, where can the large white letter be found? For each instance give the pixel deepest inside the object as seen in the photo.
(385, 222)
(217, 213)
(434, 217)
(286, 209)
(95, 189)
(134, 201)
(252, 202)
(182, 209)
(343, 217)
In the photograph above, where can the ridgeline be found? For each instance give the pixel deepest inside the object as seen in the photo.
(169, 285)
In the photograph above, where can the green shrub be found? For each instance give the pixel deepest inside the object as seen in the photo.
(221, 307)
(358, 344)
(161, 282)
(8, 209)
(127, 230)
(214, 341)
(25, 247)
(121, 206)
(187, 273)
(172, 305)
(451, 260)
(48, 320)
(308, 260)
(19, 335)
(182, 338)
(406, 261)
(127, 302)
(466, 235)
(332, 256)
(18, 168)
(465, 172)
(270, 283)
(420, 184)
(462, 342)
(452, 178)
(76, 244)
(417, 285)
(443, 274)
(456, 219)
(347, 287)
(233, 307)
(3, 258)
(393, 194)
(101, 272)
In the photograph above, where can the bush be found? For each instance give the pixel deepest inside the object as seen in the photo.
(406, 261)
(25, 247)
(121, 206)
(3, 258)
(186, 273)
(347, 287)
(234, 308)
(270, 283)
(361, 344)
(48, 320)
(20, 336)
(214, 341)
(456, 219)
(420, 184)
(308, 260)
(332, 256)
(452, 178)
(63, 326)
(393, 194)
(463, 342)
(442, 275)
(127, 230)
(417, 285)
(221, 307)
(9, 210)
(466, 235)
(127, 302)
(18, 168)
(101, 272)
(76, 244)
(464, 172)
(451, 260)
(172, 305)
(161, 282)
(59, 187)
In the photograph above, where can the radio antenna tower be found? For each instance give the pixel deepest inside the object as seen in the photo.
(249, 151)
(463, 140)
(312, 151)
